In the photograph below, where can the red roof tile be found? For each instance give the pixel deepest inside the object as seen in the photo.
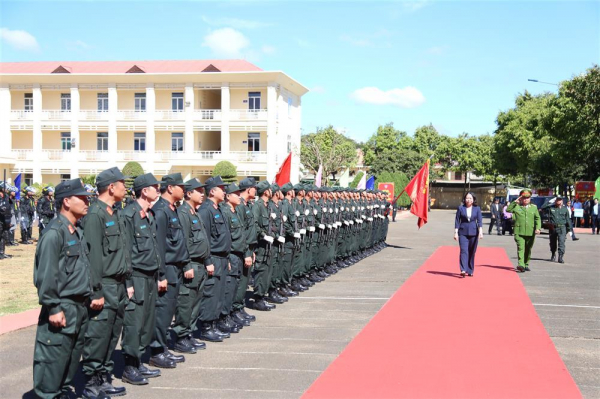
(178, 66)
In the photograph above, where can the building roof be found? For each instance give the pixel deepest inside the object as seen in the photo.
(120, 67)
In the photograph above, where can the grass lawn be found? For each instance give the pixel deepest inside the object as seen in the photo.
(17, 292)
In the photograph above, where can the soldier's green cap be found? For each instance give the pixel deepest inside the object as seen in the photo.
(299, 187)
(232, 188)
(287, 187)
(248, 182)
(559, 198)
(109, 176)
(525, 193)
(174, 179)
(70, 188)
(213, 182)
(143, 181)
(262, 186)
(193, 184)
(275, 187)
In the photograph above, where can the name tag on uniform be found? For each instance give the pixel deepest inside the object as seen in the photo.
(69, 243)
(234, 219)
(194, 221)
(143, 226)
(174, 220)
(217, 216)
(111, 223)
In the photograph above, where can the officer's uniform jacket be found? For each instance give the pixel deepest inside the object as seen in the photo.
(236, 223)
(217, 230)
(140, 228)
(527, 219)
(559, 218)
(250, 232)
(171, 241)
(195, 234)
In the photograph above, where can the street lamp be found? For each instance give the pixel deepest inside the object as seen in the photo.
(539, 81)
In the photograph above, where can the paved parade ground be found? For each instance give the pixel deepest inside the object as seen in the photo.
(286, 350)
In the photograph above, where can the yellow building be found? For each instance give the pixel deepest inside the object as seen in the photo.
(60, 120)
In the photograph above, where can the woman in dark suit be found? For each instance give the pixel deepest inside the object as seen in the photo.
(468, 232)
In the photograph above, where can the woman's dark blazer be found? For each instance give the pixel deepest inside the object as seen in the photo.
(464, 226)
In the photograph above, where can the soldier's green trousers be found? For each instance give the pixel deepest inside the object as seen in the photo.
(277, 264)
(262, 269)
(104, 330)
(188, 301)
(140, 315)
(524, 246)
(231, 282)
(557, 236)
(211, 301)
(58, 350)
(239, 302)
(165, 307)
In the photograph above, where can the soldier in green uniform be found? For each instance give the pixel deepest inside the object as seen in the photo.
(45, 208)
(264, 250)
(238, 259)
(27, 215)
(194, 273)
(140, 312)
(527, 225)
(292, 240)
(172, 247)
(299, 282)
(217, 263)
(110, 266)
(560, 225)
(62, 278)
(248, 192)
(275, 216)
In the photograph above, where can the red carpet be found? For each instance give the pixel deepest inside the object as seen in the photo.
(441, 336)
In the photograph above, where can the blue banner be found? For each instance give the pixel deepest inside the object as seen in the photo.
(371, 183)
(18, 186)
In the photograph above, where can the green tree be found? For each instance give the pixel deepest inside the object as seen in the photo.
(356, 180)
(132, 169)
(226, 170)
(90, 179)
(328, 148)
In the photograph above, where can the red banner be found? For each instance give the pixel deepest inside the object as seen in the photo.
(389, 189)
(283, 176)
(418, 191)
(584, 189)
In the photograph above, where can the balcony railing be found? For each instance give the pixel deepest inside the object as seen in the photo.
(56, 114)
(168, 115)
(131, 155)
(23, 155)
(248, 156)
(21, 115)
(91, 155)
(132, 115)
(248, 114)
(93, 115)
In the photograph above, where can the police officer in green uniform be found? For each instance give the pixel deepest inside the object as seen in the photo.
(172, 248)
(217, 263)
(62, 278)
(265, 249)
(560, 225)
(237, 256)
(140, 312)
(299, 283)
(247, 195)
(292, 240)
(278, 244)
(194, 273)
(27, 210)
(527, 225)
(45, 208)
(110, 266)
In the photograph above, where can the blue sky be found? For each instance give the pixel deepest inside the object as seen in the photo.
(454, 64)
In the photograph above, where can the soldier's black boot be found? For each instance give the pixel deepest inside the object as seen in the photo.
(249, 317)
(289, 290)
(560, 258)
(148, 373)
(131, 373)
(230, 322)
(195, 343)
(161, 360)
(239, 318)
(208, 333)
(223, 334)
(108, 387)
(273, 297)
(183, 346)
(262, 305)
(93, 388)
(173, 357)
(553, 257)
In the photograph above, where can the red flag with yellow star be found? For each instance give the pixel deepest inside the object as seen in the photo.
(418, 191)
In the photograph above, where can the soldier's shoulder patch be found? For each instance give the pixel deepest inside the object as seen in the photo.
(71, 230)
(109, 210)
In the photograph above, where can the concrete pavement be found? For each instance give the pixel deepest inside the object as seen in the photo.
(285, 350)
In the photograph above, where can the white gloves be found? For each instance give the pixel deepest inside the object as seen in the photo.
(322, 226)
(268, 239)
(296, 235)
(302, 231)
(281, 239)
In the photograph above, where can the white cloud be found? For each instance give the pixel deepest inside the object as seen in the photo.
(19, 39)
(317, 89)
(78, 45)
(268, 49)
(408, 97)
(226, 42)
(234, 23)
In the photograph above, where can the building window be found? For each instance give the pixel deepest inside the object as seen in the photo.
(289, 143)
(177, 101)
(102, 102)
(28, 105)
(64, 177)
(65, 141)
(176, 142)
(65, 102)
(254, 100)
(139, 142)
(140, 102)
(253, 141)
(28, 179)
(102, 140)
(458, 176)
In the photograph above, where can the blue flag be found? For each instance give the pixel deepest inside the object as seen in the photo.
(18, 186)
(371, 183)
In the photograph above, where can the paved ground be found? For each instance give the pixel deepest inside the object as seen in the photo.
(287, 349)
